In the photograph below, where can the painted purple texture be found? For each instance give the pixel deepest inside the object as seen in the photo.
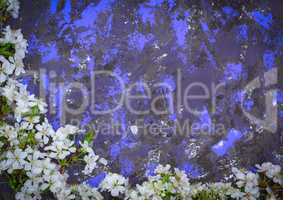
(264, 20)
(148, 41)
(233, 71)
(268, 59)
(180, 26)
(222, 147)
(190, 170)
(95, 181)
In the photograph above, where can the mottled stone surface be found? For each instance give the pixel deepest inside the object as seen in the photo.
(149, 41)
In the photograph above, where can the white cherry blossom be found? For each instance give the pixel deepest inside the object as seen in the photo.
(14, 160)
(13, 7)
(115, 184)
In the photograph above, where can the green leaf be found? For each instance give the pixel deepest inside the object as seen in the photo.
(7, 49)
(63, 163)
(33, 112)
(89, 137)
(4, 106)
(31, 138)
(17, 179)
(208, 195)
(165, 178)
(3, 11)
(28, 140)
(3, 5)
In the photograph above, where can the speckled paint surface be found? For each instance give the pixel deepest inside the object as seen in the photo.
(148, 42)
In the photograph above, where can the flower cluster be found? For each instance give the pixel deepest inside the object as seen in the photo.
(271, 171)
(166, 184)
(115, 184)
(91, 159)
(13, 7)
(174, 184)
(248, 181)
(34, 157)
(13, 49)
(266, 182)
